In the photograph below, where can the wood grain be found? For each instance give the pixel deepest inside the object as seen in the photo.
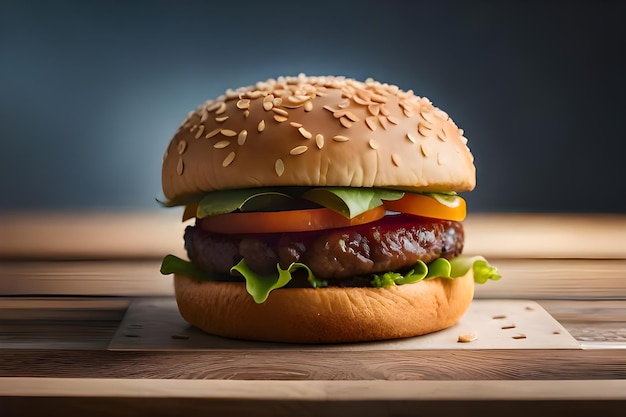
(35, 397)
(432, 365)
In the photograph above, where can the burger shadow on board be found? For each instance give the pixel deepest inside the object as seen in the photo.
(325, 210)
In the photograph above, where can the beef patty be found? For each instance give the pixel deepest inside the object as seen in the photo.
(393, 243)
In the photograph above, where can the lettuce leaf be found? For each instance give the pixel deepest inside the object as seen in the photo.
(260, 286)
(349, 201)
(440, 267)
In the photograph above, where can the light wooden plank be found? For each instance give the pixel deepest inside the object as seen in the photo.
(521, 278)
(569, 390)
(155, 233)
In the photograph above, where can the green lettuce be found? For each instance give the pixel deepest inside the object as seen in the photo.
(259, 286)
(349, 201)
(440, 267)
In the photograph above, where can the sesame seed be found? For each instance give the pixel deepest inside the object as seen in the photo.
(182, 145)
(298, 150)
(319, 140)
(279, 167)
(392, 120)
(382, 120)
(212, 133)
(424, 149)
(299, 99)
(395, 159)
(384, 110)
(441, 135)
(221, 144)
(295, 124)
(280, 118)
(359, 100)
(212, 106)
(378, 98)
(370, 121)
(200, 131)
(374, 109)
(281, 112)
(330, 109)
(180, 166)
(340, 138)
(345, 122)
(246, 113)
(428, 116)
(277, 101)
(308, 106)
(423, 130)
(305, 133)
(261, 126)
(228, 132)
(243, 104)
(241, 138)
(343, 104)
(268, 105)
(229, 159)
(411, 137)
(221, 119)
(353, 117)
(464, 140)
(373, 144)
(221, 109)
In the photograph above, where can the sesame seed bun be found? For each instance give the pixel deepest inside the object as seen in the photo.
(324, 315)
(317, 131)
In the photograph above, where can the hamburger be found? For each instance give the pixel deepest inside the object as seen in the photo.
(322, 210)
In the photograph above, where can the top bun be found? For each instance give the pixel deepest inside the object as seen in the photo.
(317, 131)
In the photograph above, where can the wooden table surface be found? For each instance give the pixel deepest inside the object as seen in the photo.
(67, 279)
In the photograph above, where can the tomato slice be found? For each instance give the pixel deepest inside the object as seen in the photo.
(426, 206)
(285, 221)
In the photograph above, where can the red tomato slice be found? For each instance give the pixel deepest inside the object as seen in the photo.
(422, 205)
(285, 221)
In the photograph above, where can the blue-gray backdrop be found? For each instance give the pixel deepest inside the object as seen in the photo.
(92, 91)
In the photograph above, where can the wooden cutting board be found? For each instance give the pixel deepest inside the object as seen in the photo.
(155, 324)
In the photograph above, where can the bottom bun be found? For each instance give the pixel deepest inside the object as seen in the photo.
(324, 315)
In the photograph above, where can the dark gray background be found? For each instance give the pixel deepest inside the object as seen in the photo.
(91, 92)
